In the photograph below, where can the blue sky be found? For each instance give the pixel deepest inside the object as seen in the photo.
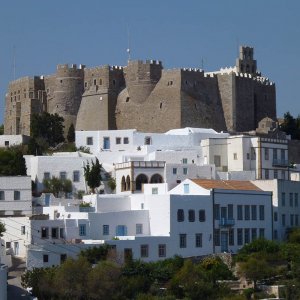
(179, 33)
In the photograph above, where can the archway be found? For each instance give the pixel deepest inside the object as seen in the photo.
(156, 178)
(123, 184)
(128, 183)
(140, 180)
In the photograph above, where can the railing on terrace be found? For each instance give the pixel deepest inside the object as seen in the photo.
(141, 164)
(280, 162)
(224, 222)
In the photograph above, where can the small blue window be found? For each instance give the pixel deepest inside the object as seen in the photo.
(186, 188)
(106, 143)
(82, 229)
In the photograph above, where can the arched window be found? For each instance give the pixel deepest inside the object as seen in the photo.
(156, 178)
(140, 180)
(123, 184)
(247, 69)
(128, 183)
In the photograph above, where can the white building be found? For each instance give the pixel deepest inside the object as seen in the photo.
(247, 157)
(15, 196)
(13, 140)
(286, 207)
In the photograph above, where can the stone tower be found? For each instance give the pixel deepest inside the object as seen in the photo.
(245, 62)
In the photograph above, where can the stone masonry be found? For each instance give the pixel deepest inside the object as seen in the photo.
(145, 96)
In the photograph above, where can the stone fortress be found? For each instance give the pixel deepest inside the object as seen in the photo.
(144, 96)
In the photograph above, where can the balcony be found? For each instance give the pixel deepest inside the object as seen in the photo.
(224, 222)
(280, 163)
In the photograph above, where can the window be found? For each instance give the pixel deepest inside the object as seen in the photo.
(275, 154)
(198, 240)
(44, 232)
(247, 212)
(106, 143)
(147, 140)
(248, 156)
(61, 233)
(217, 212)
(240, 212)
(17, 195)
(63, 175)
(282, 174)
(45, 258)
(186, 188)
(231, 237)
(154, 191)
(184, 160)
(82, 229)
(17, 213)
(118, 140)
(275, 234)
(182, 240)
(6, 143)
(191, 215)
(296, 220)
(89, 140)
(139, 228)
(266, 154)
(253, 234)
(291, 199)
(292, 220)
(282, 154)
(266, 174)
(144, 250)
(275, 216)
(296, 200)
(22, 230)
(247, 235)
(8, 245)
(240, 236)
(201, 215)
(180, 215)
(217, 237)
(46, 175)
(76, 176)
(95, 81)
(283, 219)
(261, 212)
(235, 156)
(261, 232)
(63, 257)
(105, 229)
(2, 195)
(185, 171)
(230, 211)
(253, 212)
(275, 174)
(162, 250)
(282, 199)
(126, 140)
(121, 230)
(174, 171)
(253, 153)
(54, 232)
(217, 161)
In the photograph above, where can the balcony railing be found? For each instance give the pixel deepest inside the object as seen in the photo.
(224, 222)
(280, 162)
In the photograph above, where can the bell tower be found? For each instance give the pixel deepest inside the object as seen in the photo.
(245, 62)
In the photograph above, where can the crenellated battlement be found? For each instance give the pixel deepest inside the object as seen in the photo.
(70, 67)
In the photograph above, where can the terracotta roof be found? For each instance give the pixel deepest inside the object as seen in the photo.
(226, 184)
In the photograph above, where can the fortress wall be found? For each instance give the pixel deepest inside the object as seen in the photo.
(141, 78)
(226, 84)
(244, 111)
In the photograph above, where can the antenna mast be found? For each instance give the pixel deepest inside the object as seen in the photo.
(128, 43)
(14, 62)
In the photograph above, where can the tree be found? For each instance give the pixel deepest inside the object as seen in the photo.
(71, 134)
(46, 131)
(112, 183)
(2, 229)
(291, 125)
(1, 129)
(56, 185)
(12, 162)
(92, 174)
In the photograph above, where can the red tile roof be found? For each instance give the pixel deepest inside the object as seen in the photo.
(226, 184)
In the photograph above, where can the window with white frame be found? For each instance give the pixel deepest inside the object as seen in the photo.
(118, 140)
(148, 140)
(154, 191)
(235, 157)
(144, 250)
(185, 171)
(54, 232)
(22, 230)
(63, 175)
(198, 240)
(162, 250)
(174, 171)
(139, 228)
(2, 195)
(184, 160)
(266, 153)
(17, 195)
(89, 140)
(186, 188)
(44, 232)
(82, 229)
(76, 176)
(46, 175)
(105, 230)
(182, 240)
(125, 140)
(217, 160)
